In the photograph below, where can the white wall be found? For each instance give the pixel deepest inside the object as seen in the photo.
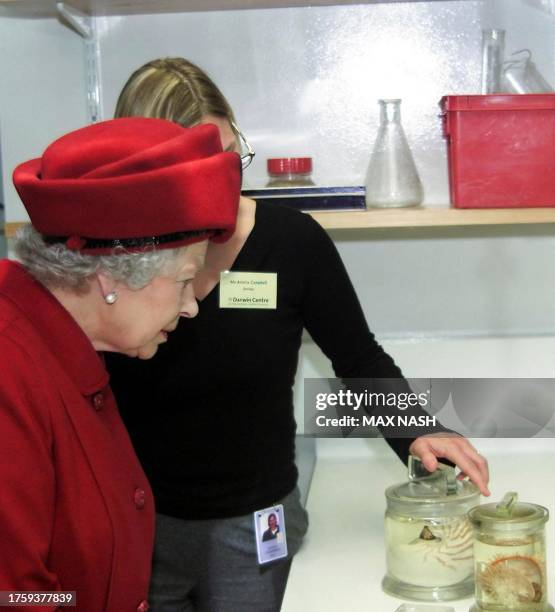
(42, 95)
(454, 281)
(445, 358)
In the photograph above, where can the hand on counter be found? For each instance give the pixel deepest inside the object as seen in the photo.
(458, 450)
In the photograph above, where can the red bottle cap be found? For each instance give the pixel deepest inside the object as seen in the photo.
(289, 165)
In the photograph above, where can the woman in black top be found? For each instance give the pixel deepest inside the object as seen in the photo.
(214, 425)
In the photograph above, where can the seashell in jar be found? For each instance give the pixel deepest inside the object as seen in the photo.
(441, 555)
(512, 580)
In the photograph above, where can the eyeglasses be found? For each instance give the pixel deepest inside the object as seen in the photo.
(246, 158)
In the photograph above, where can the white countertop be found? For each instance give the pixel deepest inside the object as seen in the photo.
(342, 562)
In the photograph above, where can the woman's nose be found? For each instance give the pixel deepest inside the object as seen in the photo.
(189, 304)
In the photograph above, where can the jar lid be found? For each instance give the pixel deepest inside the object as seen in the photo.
(289, 165)
(509, 514)
(431, 494)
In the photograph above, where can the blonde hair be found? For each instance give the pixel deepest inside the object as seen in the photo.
(174, 89)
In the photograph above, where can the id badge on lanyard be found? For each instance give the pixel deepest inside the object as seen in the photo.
(270, 534)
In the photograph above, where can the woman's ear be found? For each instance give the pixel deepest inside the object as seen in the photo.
(106, 284)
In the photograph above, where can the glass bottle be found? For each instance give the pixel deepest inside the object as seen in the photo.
(392, 180)
(493, 48)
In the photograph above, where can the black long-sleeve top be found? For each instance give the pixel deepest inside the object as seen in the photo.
(211, 415)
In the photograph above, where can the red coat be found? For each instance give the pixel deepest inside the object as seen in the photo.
(76, 511)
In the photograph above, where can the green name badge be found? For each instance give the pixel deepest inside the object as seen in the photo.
(248, 290)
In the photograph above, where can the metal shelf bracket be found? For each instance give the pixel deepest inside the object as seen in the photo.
(85, 26)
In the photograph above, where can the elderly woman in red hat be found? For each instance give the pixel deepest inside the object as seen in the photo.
(121, 212)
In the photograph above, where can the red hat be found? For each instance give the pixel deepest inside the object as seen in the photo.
(132, 183)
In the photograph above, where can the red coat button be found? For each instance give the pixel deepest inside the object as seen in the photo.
(140, 499)
(98, 401)
(143, 606)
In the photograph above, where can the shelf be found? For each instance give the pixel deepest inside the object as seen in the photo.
(46, 8)
(415, 217)
(433, 217)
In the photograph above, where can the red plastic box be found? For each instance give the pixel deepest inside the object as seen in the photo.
(501, 150)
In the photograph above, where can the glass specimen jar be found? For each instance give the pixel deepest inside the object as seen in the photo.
(428, 535)
(392, 180)
(509, 553)
(289, 172)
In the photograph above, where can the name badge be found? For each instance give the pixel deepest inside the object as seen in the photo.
(248, 290)
(269, 529)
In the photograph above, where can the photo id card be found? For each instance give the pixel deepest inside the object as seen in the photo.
(269, 529)
(254, 290)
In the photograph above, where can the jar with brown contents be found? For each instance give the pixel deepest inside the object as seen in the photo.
(509, 551)
(290, 172)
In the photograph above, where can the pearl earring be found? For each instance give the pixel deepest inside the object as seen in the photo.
(111, 297)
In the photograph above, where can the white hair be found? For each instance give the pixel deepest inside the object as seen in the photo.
(56, 266)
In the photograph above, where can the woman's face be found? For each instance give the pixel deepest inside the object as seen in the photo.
(228, 136)
(140, 320)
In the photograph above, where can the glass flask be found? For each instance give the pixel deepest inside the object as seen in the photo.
(428, 535)
(493, 49)
(509, 554)
(392, 180)
(521, 76)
